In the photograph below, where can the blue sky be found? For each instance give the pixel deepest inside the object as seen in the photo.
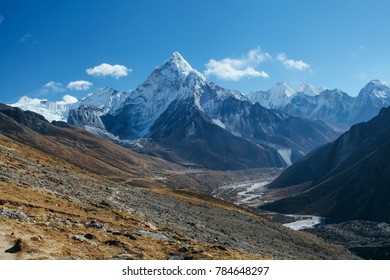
(52, 48)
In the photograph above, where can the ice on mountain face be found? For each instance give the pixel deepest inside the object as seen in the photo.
(309, 90)
(177, 63)
(223, 93)
(282, 88)
(219, 123)
(380, 94)
(274, 98)
(286, 155)
(52, 111)
(108, 100)
(375, 86)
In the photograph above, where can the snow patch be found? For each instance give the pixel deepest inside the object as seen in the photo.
(219, 123)
(380, 94)
(286, 155)
(309, 90)
(305, 221)
(51, 110)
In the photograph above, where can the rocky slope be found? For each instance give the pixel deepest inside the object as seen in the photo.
(63, 203)
(369, 240)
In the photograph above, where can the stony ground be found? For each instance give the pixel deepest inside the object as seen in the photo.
(369, 240)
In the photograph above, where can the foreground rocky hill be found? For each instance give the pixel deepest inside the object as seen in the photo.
(54, 206)
(369, 240)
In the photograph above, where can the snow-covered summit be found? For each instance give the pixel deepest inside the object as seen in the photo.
(282, 88)
(309, 90)
(376, 89)
(276, 97)
(176, 68)
(106, 99)
(51, 110)
(178, 63)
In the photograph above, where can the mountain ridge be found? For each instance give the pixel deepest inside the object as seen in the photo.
(346, 179)
(332, 106)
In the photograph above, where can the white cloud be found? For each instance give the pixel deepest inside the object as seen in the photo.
(256, 56)
(67, 99)
(53, 87)
(292, 64)
(230, 70)
(106, 69)
(79, 85)
(1, 18)
(236, 69)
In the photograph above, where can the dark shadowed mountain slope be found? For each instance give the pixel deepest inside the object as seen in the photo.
(197, 139)
(78, 147)
(348, 179)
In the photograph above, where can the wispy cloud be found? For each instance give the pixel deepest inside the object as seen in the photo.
(53, 87)
(235, 69)
(2, 18)
(291, 63)
(26, 38)
(79, 85)
(106, 69)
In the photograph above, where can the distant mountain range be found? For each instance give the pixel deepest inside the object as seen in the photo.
(184, 118)
(348, 179)
(332, 106)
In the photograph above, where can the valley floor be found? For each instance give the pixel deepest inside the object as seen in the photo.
(368, 240)
(254, 193)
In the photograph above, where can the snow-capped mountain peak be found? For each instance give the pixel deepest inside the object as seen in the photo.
(282, 88)
(309, 90)
(375, 88)
(51, 110)
(181, 64)
(276, 97)
(376, 82)
(175, 68)
(106, 99)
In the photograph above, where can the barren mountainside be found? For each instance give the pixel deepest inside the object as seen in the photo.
(63, 203)
(347, 179)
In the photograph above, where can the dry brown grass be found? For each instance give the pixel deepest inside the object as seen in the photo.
(45, 237)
